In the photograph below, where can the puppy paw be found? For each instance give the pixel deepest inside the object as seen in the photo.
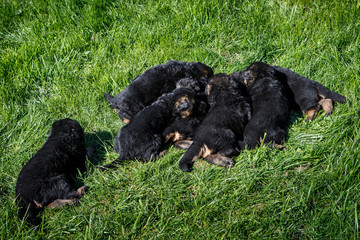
(81, 190)
(220, 160)
(186, 167)
(227, 163)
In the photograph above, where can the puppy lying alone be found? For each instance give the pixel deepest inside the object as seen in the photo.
(270, 106)
(142, 137)
(309, 96)
(47, 179)
(154, 82)
(217, 137)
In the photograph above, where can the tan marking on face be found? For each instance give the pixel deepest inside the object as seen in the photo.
(180, 100)
(126, 120)
(327, 105)
(251, 79)
(188, 112)
(185, 114)
(206, 72)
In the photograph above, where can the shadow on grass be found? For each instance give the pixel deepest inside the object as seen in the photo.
(98, 141)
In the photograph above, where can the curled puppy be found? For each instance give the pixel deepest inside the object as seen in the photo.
(154, 82)
(142, 137)
(47, 179)
(217, 137)
(308, 96)
(270, 106)
(181, 131)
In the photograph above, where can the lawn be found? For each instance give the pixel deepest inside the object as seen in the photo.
(57, 58)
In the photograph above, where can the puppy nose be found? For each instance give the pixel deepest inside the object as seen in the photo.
(184, 105)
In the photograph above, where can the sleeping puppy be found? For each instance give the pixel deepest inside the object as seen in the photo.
(182, 130)
(154, 82)
(217, 137)
(142, 137)
(47, 179)
(309, 96)
(270, 106)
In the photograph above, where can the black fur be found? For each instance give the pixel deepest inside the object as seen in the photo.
(216, 139)
(142, 137)
(308, 96)
(48, 177)
(183, 129)
(270, 105)
(154, 82)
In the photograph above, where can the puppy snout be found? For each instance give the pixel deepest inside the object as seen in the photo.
(184, 106)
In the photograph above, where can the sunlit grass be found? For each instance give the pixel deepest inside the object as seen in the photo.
(58, 57)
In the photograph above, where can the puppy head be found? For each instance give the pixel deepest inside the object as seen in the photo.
(190, 83)
(184, 102)
(200, 71)
(67, 128)
(255, 71)
(220, 82)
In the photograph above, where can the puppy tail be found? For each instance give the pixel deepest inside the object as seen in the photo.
(110, 99)
(190, 156)
(327, 93)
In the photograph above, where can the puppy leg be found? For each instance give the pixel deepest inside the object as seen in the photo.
(162, 153)
(312, 113)
(183, 144)
(73, 198)
(327, 105)
(58, 203)
(220, 160)
(81, 190)
(190, 156)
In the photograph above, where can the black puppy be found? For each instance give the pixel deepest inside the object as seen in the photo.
(47, 179)
(154, 82)
(308, 96)
(182, 130)
(142, 137)
(270, 106)
(217, 137)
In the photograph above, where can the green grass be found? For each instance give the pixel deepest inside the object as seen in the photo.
(58, 57)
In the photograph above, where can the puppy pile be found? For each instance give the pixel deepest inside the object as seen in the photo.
(213, 117)
(224, 113)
